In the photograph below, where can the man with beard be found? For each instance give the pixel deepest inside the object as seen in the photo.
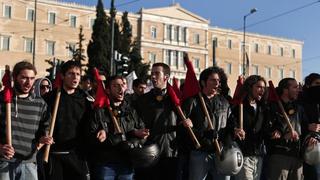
(250, 137)
(285, 160)
(108, 156)
(159, 115)
(30, 120)
(66, 160)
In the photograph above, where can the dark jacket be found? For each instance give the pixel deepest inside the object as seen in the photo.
(112, 150)
(254, 124)
(159, 115)
(219, 112)
(71, 122)
(299, 122)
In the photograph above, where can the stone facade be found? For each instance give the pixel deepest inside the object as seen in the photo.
(164, 34)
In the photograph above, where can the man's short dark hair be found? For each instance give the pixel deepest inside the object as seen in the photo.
(284, 84)
(311, 78)
(110, 79)
(137, 82)
(86, 77)
(69, 65)
(165, 67)
(22, 65)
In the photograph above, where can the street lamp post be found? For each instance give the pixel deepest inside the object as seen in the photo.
(244, 41)
(113, 14)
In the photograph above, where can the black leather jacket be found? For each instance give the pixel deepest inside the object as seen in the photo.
(299, 122)
(159, 115)
(111, 150)
(219, 111)
(255, 125)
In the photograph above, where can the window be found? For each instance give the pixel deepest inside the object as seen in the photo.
(30, 15)
(52, 18)
(269, 49)
(293, 53)
(184, 36)
(281, 73)
(28, 45)
(255, 70)
(153, 32)
(196, 39)
(50, 48)
(230, 44)
(71, 49)
(73, 21)
(281, 51)
(268, 72)
(152, 57)
(167, 57)
(293, 73)
(240, 69)
(228, 68)
(256, 48)
(176, 33)
(174, 58)
(169, 32)
(196, 63)
(91, 22)
(7, 11)
(5, 43)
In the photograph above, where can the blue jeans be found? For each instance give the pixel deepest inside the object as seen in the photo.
(18, 171)
(201, 163)
(112, 171)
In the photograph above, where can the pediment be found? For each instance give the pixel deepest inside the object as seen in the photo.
(176, 12)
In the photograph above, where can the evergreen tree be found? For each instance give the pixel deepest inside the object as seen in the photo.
(126, 35)
(77, 54)
(141, 69)
(54, 68)
(99, 45)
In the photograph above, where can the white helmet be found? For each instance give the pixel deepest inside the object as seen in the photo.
(231, 160)
(312, 153)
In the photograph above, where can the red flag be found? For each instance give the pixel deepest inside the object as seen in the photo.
(8, 90)
(191, 85)
(176, 87)
(173, 96)
(57, 82)
(101, 99)
(273, 96)
(237, 96)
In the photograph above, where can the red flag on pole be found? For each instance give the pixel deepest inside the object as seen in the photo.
(58, 81)
(175, 87)
(273, 96)
(8, 90)
(101, 98)
(191, 85)
(237, 96)
(173, 96)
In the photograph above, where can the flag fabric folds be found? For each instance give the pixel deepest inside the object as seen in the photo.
(273, 96)
(237, 96)
(8, 90)
(173, 96)
(101, 99)
(191, 85)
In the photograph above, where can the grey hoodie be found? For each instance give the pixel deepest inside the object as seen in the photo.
(37, 86)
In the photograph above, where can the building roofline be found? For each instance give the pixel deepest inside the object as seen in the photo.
(256, 35)
(178, 7)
